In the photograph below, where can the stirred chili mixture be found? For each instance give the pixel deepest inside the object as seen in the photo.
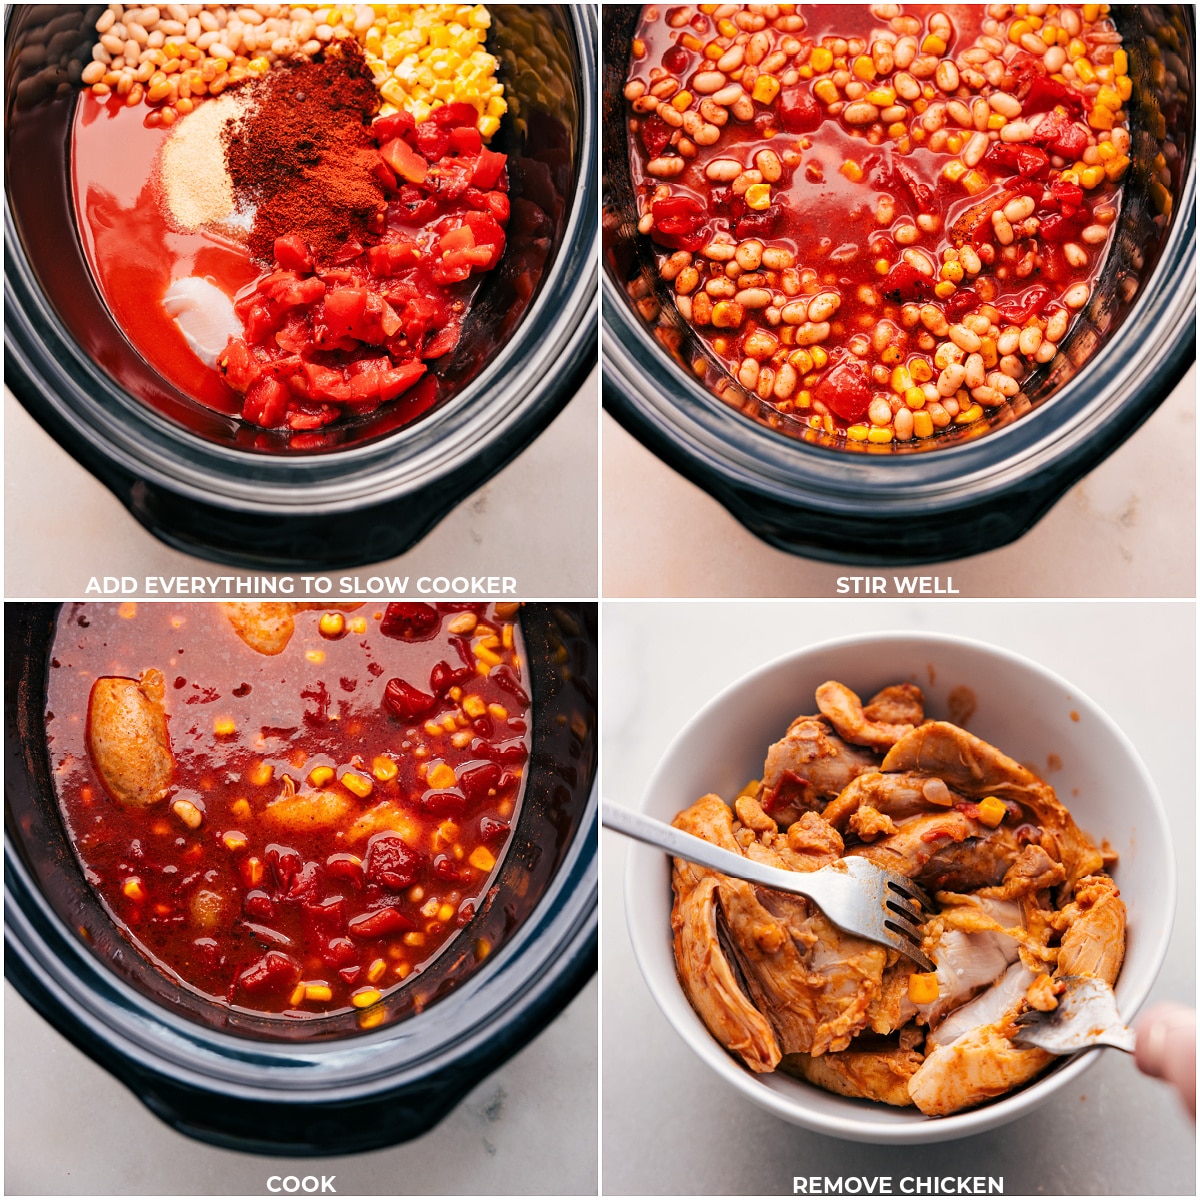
(290, 808)
(879, 218)
(289, 211)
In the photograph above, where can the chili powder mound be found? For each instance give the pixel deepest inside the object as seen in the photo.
(303, 154)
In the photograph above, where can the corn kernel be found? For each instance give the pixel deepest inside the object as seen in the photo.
(1090, 177)
(384, 769)
(482, 949)
(482, 859)
(255, 871)
(879, 434)
(881, 97)
(445, 913)
(358, 624)
(991, 810)
(1120, 62)
(224, 727)
(944, 289)
(498, 712)
(856, 433)
(360, 785)
(1116, 168)
(758, 196)
(826, 91)
(332, 624)
(821, 59)
(132, 887)
(262, 774)
(923, 987)
(766, 88)
(681, 100)
(1085, 71)
(318, 992)
(320, 776)
(852, 171)
(376, 969)
(474, 706)
(863, 68)
(935, 45)
(414, 939)
(234, 841)
(297, 996)
(922, 424)
(365, 997)
(1101, 117)
(315, 656)
(441, 776)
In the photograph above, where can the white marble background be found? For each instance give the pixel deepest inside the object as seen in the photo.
(671, 1126)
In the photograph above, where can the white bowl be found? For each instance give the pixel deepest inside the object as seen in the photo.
(1029, 713)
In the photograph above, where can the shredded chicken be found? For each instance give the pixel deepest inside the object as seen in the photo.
(1024, 900)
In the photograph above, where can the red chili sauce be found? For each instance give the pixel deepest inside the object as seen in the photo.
(323, 340)
(840, 230)
(417, 737)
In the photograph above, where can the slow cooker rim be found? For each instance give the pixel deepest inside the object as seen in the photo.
(664, 406)
(515, 408)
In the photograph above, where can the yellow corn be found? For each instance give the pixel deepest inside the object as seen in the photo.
(427, 55)
(318, 991)
(944, 289)
(360, 785)
(384, 768)
(758, 196)
(482, 859)
(864, 68)
(224, 727)
(879, 433)
(972, 413)
(766, 88)
(820, 356)
(922, 987)
(132, 887)
(856, 433)
(914, 397)
(498, 711)
(332, 624)
(315, 656)
(358, 624)
(365, 997)
(991, 810)
(821, 59)
(1085, 71)
(922, 424)
(445, 912)
(935, 45)
(442, 776)
(852, 171)
(297, 996)
(234, 841)
(826, 91)
(320, 776)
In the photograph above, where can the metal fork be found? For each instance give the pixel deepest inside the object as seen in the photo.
(1086, 1015)
(856, 895)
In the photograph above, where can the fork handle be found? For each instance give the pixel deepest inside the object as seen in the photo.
(696, 850)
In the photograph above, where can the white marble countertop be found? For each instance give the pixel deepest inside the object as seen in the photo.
(672, 1127)
(71, 1129)
(1127, 529)
(535, 520)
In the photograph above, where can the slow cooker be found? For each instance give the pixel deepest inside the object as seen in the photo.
(917, 504)
(321, 1086)
(212, 486)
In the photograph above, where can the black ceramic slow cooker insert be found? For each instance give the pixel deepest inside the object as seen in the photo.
(322, 1086)
(913, 504)
(210, 485)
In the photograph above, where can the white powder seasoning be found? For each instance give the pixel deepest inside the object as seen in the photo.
(196, 187)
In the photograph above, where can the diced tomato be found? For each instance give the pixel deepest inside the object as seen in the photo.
(1016, 310)
(904, 282)
(390, 863)
(1059, 228)
(444, 802)
(344, 309)
(843, 390)
(655, 134)
(410, 622)
(404, 160)
(391, 257)
(380, 923)
(266, 402)
(292, 254)
(238, 365)
(394, 125)
(450, 116)
(272, 973)
(457, 239)
(961, 303)
(1045, 93)
(432, 140)
(491, 829)
(478, 778)
(465, 140)
(488, 169)
(1061, 135)
(442, 342)
(677, 221)
(1067, 193)
(799, 111)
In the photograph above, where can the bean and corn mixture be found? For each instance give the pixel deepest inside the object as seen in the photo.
(880, 219)
(290, 808)
(170, 57)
